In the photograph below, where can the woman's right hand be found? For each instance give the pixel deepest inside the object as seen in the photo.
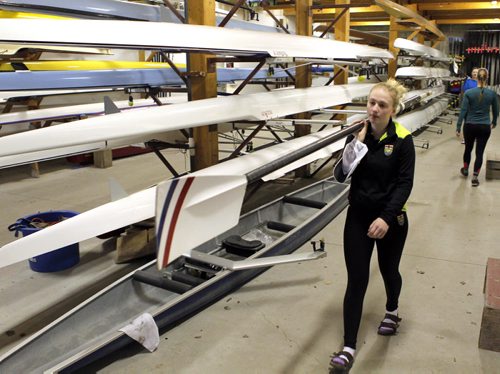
(363, 131)
(378, 229)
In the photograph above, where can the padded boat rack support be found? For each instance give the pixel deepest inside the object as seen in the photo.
(434, 128)
(421, 143)
(256, 262)
(448, 121)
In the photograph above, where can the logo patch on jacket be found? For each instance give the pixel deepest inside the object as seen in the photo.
(401, 219)
(388, 148)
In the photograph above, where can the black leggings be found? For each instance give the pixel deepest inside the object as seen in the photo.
(358, 248)
(481, 134)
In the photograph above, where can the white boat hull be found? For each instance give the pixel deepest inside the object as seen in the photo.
(422, 72)
(418, 49)
(253, 107)
(178, 38)
(138, 206)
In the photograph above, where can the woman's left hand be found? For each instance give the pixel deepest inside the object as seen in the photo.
(378, 229)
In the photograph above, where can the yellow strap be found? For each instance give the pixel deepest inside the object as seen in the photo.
(13, 14)
(88, 65)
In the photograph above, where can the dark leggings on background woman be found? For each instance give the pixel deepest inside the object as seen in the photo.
(358, 248)
(473, 132)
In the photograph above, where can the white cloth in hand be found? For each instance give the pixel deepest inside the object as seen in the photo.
(352, 156)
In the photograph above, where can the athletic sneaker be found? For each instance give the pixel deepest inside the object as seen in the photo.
(475, 181)
(464, 172)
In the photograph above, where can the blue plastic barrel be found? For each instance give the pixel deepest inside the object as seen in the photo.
(58, 259)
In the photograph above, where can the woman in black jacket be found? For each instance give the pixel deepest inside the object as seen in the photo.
(381, 160)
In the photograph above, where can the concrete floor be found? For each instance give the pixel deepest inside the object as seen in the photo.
(288, 320)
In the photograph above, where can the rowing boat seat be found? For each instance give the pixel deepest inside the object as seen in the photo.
(236, 245)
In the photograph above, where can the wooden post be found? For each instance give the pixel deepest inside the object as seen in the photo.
(393, 34)
(303, 75)
(303, 19)
(419, 85)
(142, 57)
(34, 104)
(203, 85)
(342, 34)
(489, 334)
(421, 39)
(103, 159)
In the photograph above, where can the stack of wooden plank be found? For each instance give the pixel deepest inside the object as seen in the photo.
(493, 165)
(489, 336)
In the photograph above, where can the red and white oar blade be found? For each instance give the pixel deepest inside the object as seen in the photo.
(193, 209)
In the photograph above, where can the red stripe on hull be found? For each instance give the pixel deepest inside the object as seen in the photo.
(175, 216)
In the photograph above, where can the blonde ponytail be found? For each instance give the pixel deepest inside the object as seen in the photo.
(395, 89)
(482, 77)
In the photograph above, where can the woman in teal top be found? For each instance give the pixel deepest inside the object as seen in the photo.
(475, 111)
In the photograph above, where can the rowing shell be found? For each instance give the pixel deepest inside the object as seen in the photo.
(418, 49)
(179, 38)
(25, 15)
(116, 78)
(421, 72)
(95, 328)
(141, 205)
(420, 117)
(253, 107)
(81, 65)
(80, 111)
(12, 49)
(9, 95)
(419, 97)
(89, 8)
(115, 9)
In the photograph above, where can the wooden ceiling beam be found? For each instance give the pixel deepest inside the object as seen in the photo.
(370, 38)
(441, 1)
(369, 23)
(452, 15)
(463, 21)
(457, 6)
(354, 17)
(468, 21)
(329, 11)
(441, 12)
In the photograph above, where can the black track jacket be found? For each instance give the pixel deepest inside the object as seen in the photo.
(382, 182)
